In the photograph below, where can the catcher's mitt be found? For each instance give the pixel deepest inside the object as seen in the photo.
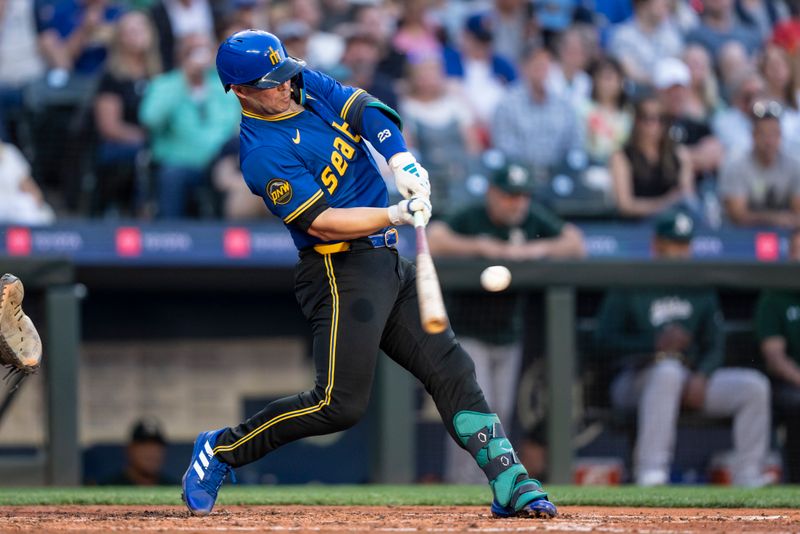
(20, 345)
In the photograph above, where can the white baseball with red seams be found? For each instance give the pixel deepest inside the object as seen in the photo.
(495, 278)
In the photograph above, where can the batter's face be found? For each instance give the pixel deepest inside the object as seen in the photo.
(265, 101)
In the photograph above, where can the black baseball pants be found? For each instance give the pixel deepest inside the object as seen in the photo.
(357, 302)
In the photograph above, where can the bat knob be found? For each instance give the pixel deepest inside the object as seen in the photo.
(419, 219)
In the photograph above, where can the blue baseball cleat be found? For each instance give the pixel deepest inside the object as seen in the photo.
(205, 475)
(540, 508)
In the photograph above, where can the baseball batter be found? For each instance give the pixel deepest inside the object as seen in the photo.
(303, 150)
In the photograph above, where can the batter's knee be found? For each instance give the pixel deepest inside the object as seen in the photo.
(344, 413)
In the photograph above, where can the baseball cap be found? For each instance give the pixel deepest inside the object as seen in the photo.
(479, 25)
(513, 178)
(675, 225)
(147, 430)
(671, 72)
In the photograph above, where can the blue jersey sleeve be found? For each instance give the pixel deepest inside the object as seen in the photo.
(340, 97)
(288, 189)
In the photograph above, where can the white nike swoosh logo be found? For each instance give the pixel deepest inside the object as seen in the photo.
(296, 139)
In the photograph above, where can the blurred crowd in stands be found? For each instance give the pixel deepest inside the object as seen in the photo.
(619, 109)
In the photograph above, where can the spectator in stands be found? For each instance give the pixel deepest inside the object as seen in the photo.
(719, 25)
(651, 173)
(246, 14)
(703, 98)
(683, 16)
(359, 67)
(133, 60)
(416, 33)
(176, 19)
(508, 225)
(786, 33)
(532, 126)
(777, 321)
(21, 200)
(335, 14)
(553, 17)
(189, 118)
(732, 61)
(145, 457)
(512, 28)
(73, 36)
(606, 117)
(324, 49)
(705, 152)
(640, 42)
(20, 61)
(775, 66)
(762, 186)
(442, 130)
(667, 346)
(761, 15)
(377, 21)
(733, 125)
(567, 77)
(483, 74)
(295, 35)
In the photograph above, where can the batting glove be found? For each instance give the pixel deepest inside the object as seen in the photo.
(403, 211)
(409, 176)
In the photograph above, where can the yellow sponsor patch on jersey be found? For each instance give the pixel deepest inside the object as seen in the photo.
(279, 191)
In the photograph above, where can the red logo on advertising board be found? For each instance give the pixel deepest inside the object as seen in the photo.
(19, 242)
(129, 242)
(767, 246)
(237, 243)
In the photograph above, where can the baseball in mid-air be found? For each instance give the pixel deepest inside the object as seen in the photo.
(495, 278)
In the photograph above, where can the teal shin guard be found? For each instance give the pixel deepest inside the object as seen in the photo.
(483, 436)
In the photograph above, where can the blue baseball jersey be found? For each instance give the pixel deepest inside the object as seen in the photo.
(303, 162)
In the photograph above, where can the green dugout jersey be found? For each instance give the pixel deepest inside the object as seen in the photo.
(778, 314)
(629, 322)
(495, 317)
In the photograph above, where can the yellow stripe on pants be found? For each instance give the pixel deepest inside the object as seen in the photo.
(331, 367)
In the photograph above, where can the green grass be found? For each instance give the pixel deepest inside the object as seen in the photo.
(689, 496)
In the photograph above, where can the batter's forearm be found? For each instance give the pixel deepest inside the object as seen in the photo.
(342, 224)
(383, 133)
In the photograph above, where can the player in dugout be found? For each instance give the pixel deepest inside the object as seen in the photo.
(777, 321)
(667, 346)
(303, 149)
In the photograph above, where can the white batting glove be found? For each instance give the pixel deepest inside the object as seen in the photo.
(409, 176)
(403, 211)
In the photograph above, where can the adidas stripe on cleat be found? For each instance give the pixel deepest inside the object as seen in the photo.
(205, 475)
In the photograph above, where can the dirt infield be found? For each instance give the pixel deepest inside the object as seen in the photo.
(389, 519)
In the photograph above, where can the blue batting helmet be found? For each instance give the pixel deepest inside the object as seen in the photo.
(255, 58)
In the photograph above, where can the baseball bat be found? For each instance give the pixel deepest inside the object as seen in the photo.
(431, 304)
